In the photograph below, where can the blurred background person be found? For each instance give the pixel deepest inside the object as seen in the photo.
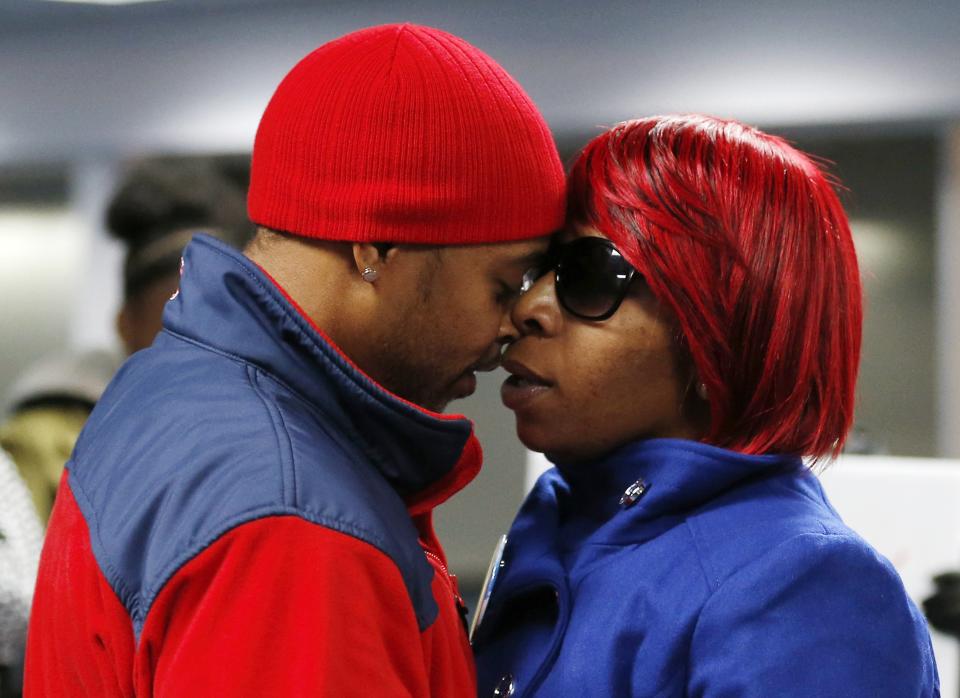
(157, 208)
(45, 410)
(20, 537)
(943, 607)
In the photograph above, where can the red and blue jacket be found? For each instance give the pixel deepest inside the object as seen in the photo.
(247, 514)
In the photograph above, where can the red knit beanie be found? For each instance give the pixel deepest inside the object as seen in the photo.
(402, 133)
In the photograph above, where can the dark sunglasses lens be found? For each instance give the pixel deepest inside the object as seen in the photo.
(545, 265)
(532, 276)
(592, 277)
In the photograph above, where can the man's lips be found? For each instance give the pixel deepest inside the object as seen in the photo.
(487, 365)
(466, 383)
(523, 385)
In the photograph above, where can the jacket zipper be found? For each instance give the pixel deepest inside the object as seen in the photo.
(454, 588)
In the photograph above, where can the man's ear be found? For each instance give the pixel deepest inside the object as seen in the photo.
(369, 257)
(372, 254)
(365, 256)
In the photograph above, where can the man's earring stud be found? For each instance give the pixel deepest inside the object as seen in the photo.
(702, 391)
(369, 274)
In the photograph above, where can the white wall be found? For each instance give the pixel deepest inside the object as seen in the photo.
(92, 94)
(38, 270)
(96, 295)
(201, 81)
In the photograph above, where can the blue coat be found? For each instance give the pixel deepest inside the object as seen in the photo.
(717, 574)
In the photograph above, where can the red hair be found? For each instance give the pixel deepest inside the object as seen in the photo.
(744, 239)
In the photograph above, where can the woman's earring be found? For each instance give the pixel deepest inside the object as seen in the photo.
(702, 391)
(369, 274)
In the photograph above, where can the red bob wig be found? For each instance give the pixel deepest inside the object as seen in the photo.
(744, 239)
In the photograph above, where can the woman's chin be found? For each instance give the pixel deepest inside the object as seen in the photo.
(562, 445)
(529, 436)
(538, 439)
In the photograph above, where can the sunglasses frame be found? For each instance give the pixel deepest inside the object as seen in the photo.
(555, 261)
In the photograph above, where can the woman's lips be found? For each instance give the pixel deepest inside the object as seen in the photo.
(522, 386)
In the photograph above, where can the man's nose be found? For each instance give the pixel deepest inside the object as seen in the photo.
(492, 360)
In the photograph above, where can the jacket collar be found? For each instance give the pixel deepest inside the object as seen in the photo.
(573, 514)
(227, 303)
(674, 475)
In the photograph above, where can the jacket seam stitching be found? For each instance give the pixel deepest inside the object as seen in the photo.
(246, 363)
(713, 581)
(369, 449)
(278, 426)
(225, 527)
(133, 602)
(140, 608)
(742, 570)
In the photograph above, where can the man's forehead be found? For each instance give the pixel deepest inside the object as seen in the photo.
(520, 254)
(524, 251)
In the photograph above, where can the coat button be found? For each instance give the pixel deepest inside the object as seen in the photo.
(505, 687)
(633, 493)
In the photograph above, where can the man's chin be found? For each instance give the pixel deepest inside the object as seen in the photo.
(462, 387)
(433, 405)
(465, 386)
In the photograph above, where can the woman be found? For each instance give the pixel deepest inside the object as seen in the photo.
(698, 334)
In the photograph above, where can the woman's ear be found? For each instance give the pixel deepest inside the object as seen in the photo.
(696, 399)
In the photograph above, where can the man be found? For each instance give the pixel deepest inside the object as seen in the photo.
(248, 510)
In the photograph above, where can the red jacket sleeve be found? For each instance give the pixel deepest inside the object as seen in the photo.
(282, 606)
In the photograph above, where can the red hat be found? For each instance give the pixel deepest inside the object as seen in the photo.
(403, 133)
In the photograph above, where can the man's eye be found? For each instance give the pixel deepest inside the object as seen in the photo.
(507, 293)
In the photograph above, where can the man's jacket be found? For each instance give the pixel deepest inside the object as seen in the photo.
(247, 514)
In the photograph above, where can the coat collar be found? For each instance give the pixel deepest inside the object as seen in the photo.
(675, 475)
(227, 303)
(574, 514)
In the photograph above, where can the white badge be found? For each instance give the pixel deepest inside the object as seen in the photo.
(496, 562)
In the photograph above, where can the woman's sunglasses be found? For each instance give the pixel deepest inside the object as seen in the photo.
(592, 277)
